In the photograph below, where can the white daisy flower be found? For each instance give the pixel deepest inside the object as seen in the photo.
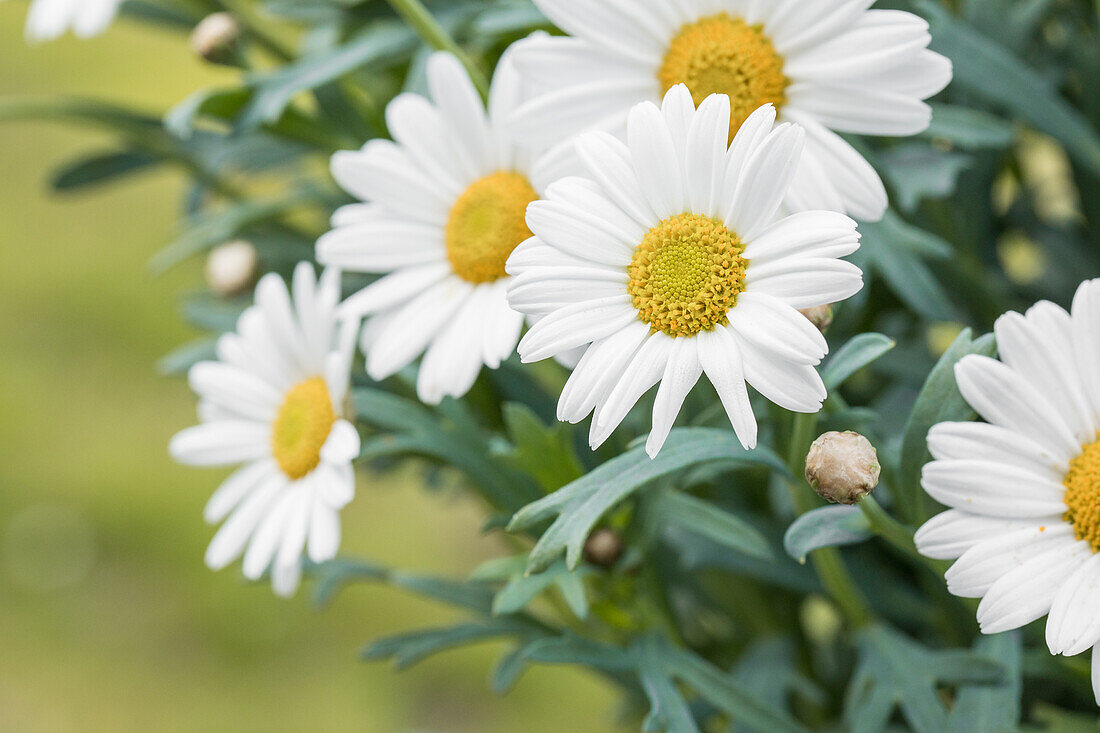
(273, 401)
(446, 208)
(1024, 487)
(50, 19)
(670, 260)
(829, 65)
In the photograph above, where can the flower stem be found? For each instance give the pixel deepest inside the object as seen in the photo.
(429, 29)
(889, 528)
(826, 561)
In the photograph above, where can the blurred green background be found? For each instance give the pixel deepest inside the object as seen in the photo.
(109, 620)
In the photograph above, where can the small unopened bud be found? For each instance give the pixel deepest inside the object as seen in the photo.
(215, 38)
(842, 467)
(231, 268)
(820, 315)
(603, 548)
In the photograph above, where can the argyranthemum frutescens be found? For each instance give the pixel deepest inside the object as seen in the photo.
(671, 261)
(446, 208)
(274, 401)
(829, 65)
(50, 19)
(1024, 487)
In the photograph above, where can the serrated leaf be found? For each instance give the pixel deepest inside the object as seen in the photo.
(707, 520)
(182, 359)
(544, 452)
(581, 504)
(992, 708)
(410, 648)
(939, 401)
(827, 526)
(859, 352)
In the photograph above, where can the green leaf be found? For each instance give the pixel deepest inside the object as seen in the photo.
(707, 520)
(939, 401)
(992, 708)
(387, 410)
(896, 672)
(380, 45)
(213, 314)
(410, 648)
(989, 71)
(545, 452)
(101, 168)
(524, 588)
(859, 352)
(917, 171)
(827, 526)
(186, 356)
(224, 103)
(969, 129)
(723, 691)
(581, 504)
(895, 248)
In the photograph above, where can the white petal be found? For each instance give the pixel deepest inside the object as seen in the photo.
(806, 235)
(265, 542)
(720, 357)
(805, 283)
(381, 246)
(221, 443)
(983, 564)
(949, 534)
(707, 143)
(655, 161)
(598, 370)
(982, 441)
(1074, 625)
(681, 373)
(235, 488)
(764, 183)
(460, 105)
(231, 538)
(342, 445)
(777, 328)
(795, 387)
(414, 326)
(1026, 593)
(992, 489)
(644, 371)
(1086, 341)
(576, 325)
(235, 390)
(393, 290)
(609, 164)
(324, 533)
(453, 359)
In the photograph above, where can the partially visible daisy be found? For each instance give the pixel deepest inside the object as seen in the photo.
(670, 260)
(446, 208)
(50, 19)
(273, 401)
(1024, 487)
(829, 65)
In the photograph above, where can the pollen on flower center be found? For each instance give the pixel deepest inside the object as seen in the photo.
(686, 274)
(1082, 496)
(302, 426)
(725, 55)
(486, 224)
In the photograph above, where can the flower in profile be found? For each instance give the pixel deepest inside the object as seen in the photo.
(830, 66)
(446, 204)
(671, 261)
(1024, 487)
(273, 401)
(50, 19)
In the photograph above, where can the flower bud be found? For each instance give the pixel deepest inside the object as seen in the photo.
(603, 548)
(215, 38)
(231, 268)
(820, 315)
(842, 467)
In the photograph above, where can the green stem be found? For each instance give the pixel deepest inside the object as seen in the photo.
(826, 561)
(889, 529)
(429, 29)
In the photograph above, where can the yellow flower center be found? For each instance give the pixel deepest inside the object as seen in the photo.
(486, 223)
(302, 427)
(1082, 484)
(686, 274)
(725, 55)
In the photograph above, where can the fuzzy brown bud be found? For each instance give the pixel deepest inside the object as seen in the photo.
(231, 268)
(842, 467)
(820, 315)
(215, 38)
(603, 548)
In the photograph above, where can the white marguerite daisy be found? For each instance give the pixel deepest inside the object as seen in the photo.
(669, 258)
(1024, 487)
(829, 65)
(446, 205)
(50, 19)
(273, 401)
